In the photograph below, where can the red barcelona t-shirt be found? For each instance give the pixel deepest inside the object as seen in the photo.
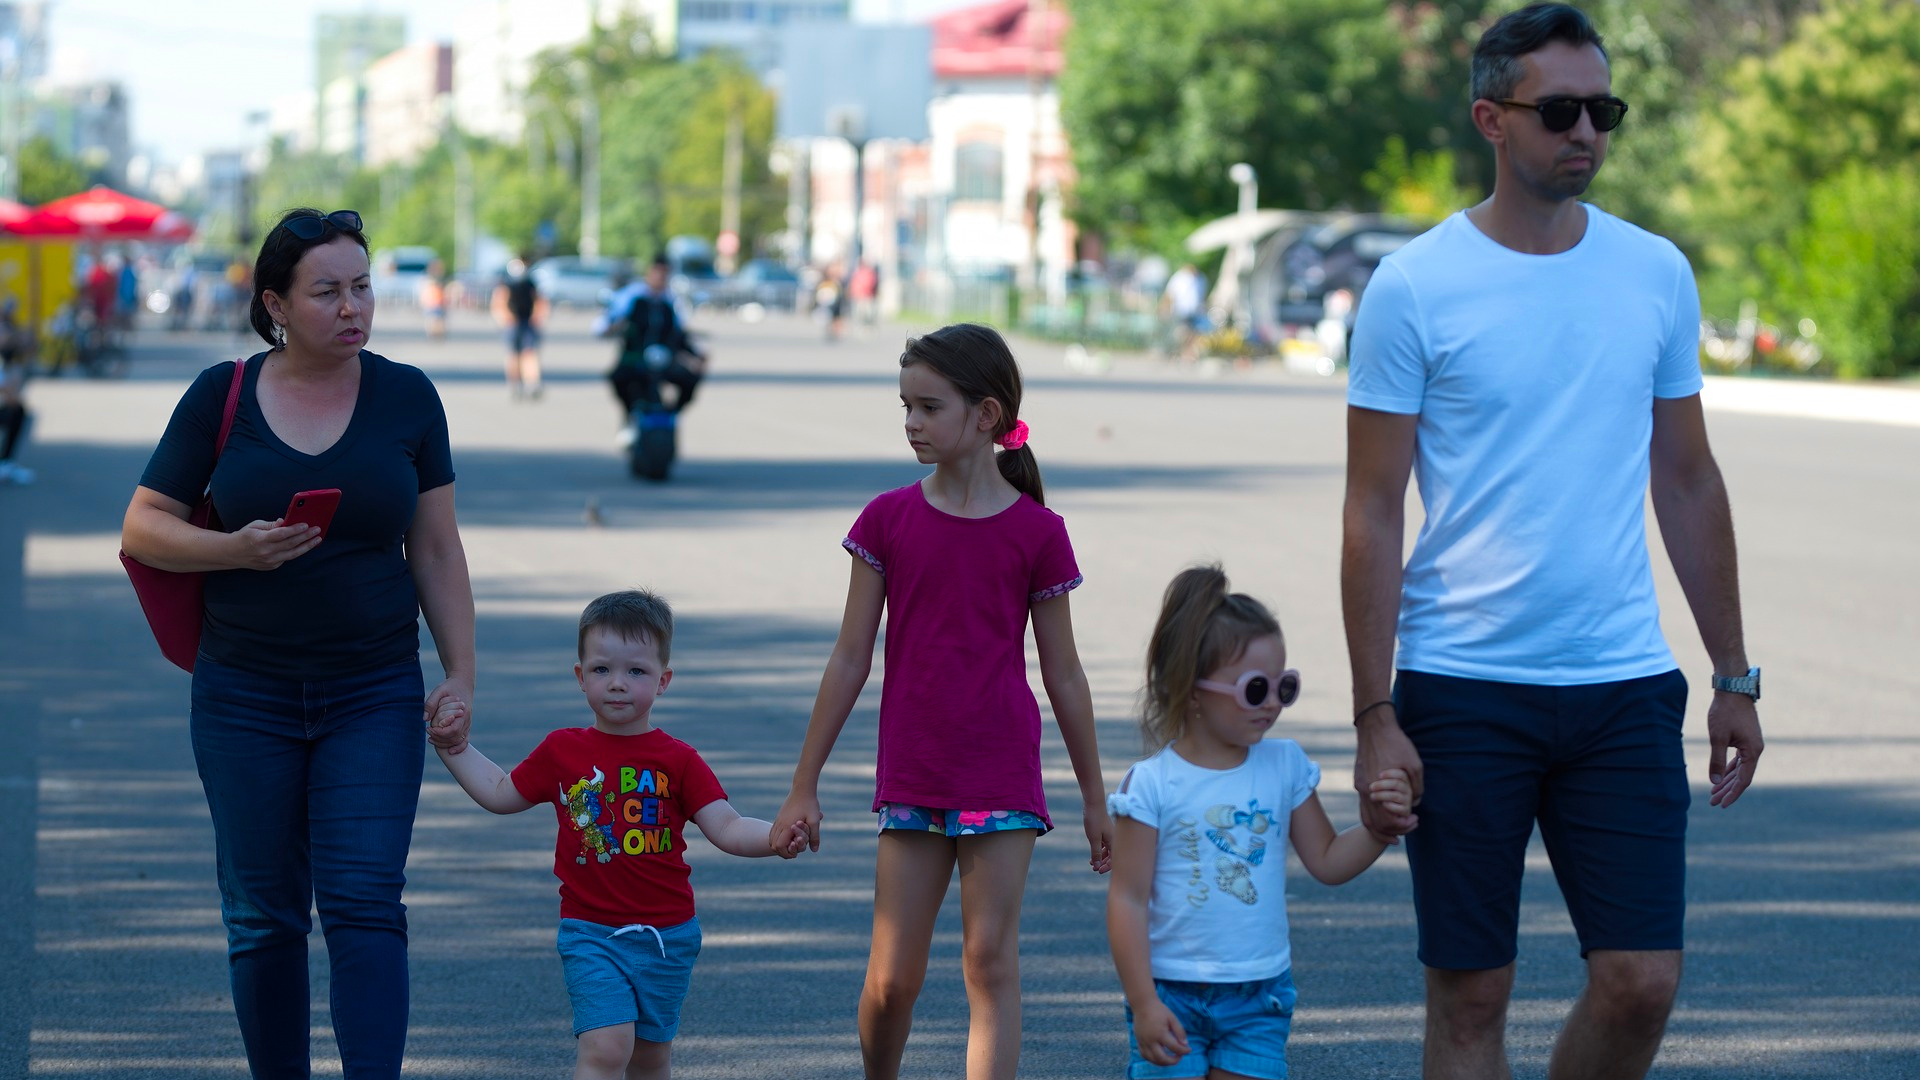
(624, 803)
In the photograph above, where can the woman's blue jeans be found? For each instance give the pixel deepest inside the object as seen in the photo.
(313, 788)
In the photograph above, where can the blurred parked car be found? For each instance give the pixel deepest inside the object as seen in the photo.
(690, 272)
(578, 281)
(761, 281)
(398, 272)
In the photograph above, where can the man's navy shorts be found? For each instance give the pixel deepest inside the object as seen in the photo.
(1599, 766)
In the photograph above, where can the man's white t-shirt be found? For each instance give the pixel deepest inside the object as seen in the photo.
(1533, 377)
(1218, 911)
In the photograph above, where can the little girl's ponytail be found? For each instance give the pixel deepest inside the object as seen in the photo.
(977, 361)
(1201, 626)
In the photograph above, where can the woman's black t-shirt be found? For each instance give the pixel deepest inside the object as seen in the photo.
(348, 605)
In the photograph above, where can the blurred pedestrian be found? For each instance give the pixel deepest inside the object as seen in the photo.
(1539, 361)
(15, 352)
(433, 300)
(864, 288)
(308, 698)
(1186, 306)
(521, 310)
(126, 300)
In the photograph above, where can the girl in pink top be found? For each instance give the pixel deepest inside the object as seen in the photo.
(957, 561)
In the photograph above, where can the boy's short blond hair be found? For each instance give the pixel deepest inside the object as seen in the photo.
(634, 614)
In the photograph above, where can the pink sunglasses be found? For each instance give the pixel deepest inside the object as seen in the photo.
(1254, 689)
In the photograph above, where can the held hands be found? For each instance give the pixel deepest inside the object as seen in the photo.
(1099, 837)
(1393, 793)
(788, 844)
(1384, 748)
(264, 545)
(802, 809)
(448, 717)
(1162, 1040)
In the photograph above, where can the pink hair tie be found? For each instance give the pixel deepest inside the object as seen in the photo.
(1015, 439)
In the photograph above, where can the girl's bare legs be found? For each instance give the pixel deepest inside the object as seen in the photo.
(993, 881)
(909, 882)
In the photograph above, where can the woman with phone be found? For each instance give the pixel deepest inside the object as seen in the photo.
(336, 487)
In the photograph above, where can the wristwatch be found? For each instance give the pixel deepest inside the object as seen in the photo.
(1748, 684)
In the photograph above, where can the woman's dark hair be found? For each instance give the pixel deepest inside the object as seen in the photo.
(1201, 626)
(1496, 60)
(976, 360)
(280, 252)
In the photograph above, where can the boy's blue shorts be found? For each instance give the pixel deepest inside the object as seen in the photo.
(1234, 1027)
(639, 976)
(1599, 766)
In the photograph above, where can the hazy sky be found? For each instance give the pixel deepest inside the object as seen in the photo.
(195, 68)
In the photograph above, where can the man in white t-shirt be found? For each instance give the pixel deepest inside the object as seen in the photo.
(1534, 362)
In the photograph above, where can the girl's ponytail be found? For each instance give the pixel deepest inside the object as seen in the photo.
(1201, 626)
(977, 361)
(1022, 471)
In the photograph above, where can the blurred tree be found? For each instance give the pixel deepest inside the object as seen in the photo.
(1159, 99)
(1854, 269)
(47, 174)
(1836, 109)
(1423, 186)
(725, 88)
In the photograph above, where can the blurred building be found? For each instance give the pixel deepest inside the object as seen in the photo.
(499, 39)
(751, 28)
(984, 198)
(293, 121)
(404, 105)
(341, 122)
(87, 122)
(999, 155)
(347, 44)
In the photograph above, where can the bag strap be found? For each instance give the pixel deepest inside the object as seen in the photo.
(233, 406)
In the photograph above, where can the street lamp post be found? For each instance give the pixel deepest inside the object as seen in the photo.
(1248, 181)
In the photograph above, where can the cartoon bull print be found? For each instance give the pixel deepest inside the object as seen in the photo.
(583, 806)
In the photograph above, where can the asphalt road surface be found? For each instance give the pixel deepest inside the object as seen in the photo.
(1804, 922)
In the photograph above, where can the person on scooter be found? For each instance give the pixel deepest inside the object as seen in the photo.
(645, 316)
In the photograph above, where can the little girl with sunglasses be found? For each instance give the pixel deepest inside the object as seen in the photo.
(1197, 909)
(959, 562)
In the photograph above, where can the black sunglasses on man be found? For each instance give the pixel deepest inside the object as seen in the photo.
(1561, 113)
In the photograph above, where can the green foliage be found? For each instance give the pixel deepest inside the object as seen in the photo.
(1854, 269)
(696, 164)
(1836, 109)
(1845, 89)
(1159, 99)
(1422, 186)
(46, 174)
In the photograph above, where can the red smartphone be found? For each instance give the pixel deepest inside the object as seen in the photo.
(313, 508)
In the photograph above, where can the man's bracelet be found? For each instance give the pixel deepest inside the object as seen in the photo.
(1363, 712)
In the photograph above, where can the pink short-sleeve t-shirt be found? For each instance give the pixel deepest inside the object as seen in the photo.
(959, 727)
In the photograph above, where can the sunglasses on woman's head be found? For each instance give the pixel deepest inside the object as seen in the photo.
(1560, 114)
(1254, 689)
(311, 226)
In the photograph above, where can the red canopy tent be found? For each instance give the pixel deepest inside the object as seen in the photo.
(103, 214)
(13, 213)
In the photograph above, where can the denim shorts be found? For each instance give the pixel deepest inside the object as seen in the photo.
(1598, 766)
(628, 975)
(1234, 1027)
(958, 822)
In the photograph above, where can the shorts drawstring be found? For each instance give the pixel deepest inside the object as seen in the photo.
(633, 927)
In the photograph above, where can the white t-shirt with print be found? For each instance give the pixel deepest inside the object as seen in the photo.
(1533, 377)
(1219, 907)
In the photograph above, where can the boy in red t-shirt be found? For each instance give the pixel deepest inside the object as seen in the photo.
(624, 791)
